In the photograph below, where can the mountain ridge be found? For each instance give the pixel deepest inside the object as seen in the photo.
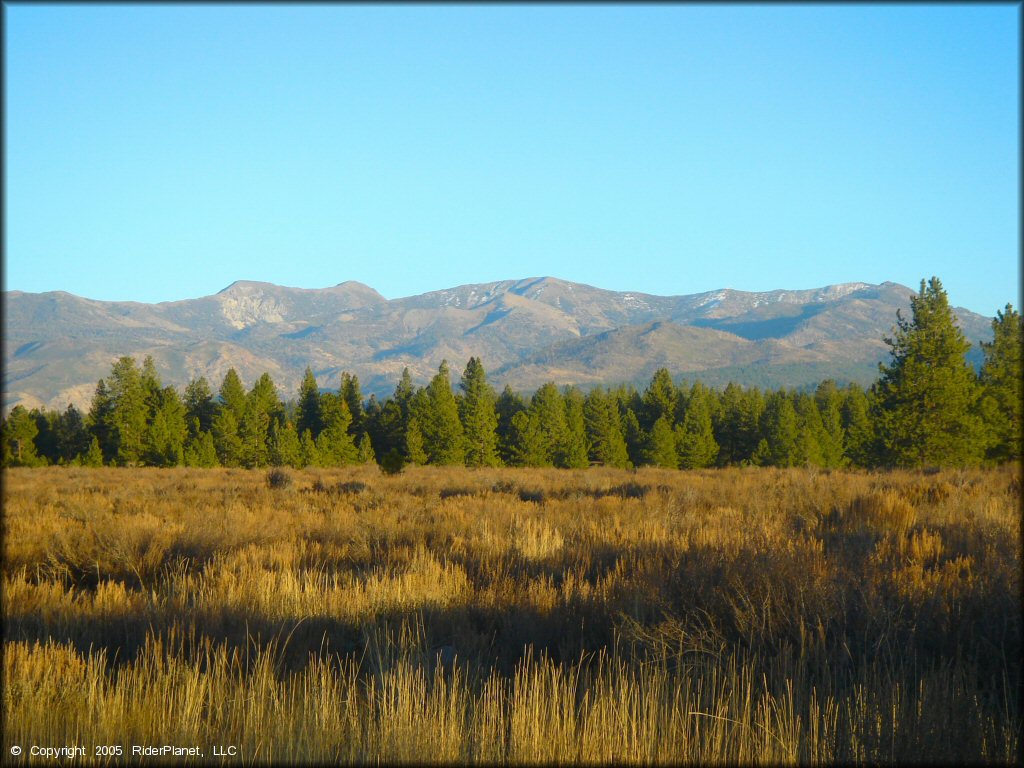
(526, 332)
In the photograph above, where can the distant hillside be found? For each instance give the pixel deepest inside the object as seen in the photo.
(527, 332)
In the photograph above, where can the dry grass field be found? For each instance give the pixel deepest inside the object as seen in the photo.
(454, 615)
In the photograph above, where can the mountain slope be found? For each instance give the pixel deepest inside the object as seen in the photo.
(57, 345)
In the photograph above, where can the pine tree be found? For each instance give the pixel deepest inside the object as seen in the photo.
(262, 410)
(129, 410)
(415, 453)
(200, 407)
(200, 450)
(860, 442)
(364, 448)
(830, 403)
(926, 397)
(479, 420)
(353, 397)
(72, 435)
(438, 417)
(660, 400)
(46, 438)
(695, 436)
(309, 415)
(661, 445)
(637, 441)
(232, 395)
(528, 443)
(334, 445)
(780, 430)
(226, 438)
(100, 420)
(509, 403)
(310, 454)
(151, 386)
(810, 433)
(736, 424)
(94, 456)
(386, 428)
(404, 392)
(1002, 380)
(604, 429)
(574, 448)
(285, 447)
(548, 410)
(19, 434)
(164, 444)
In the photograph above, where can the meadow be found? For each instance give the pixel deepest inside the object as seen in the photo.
(513, 615)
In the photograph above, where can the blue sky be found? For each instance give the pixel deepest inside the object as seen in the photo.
(158, 153)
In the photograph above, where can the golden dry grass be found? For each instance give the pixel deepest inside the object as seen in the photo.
(454, 615)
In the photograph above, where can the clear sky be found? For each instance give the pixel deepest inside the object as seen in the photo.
(157, 153)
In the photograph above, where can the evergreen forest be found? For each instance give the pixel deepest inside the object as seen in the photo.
(929, 407)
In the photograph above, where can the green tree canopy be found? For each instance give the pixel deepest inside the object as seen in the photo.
(479, 420)
(927, 395)
(1003, 385)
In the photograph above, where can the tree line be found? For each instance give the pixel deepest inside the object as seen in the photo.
(928, 408)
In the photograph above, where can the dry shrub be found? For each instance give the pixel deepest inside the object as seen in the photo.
(882, 511)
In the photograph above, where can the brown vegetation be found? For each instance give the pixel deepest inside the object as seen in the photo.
(516, 615)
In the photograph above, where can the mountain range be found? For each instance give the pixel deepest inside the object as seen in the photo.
(526, 332)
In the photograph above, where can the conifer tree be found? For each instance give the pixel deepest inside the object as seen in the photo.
(661, 444)
(72, 436)
(200, 450)
(415, 453)
(46, 439)
(509, 403)
(334, 446)
(364, 450)
(232, 395)
(528, 441)
(404, 392)
(574, 449)
(226, 439)
(660, 400)
(386, 428)
(860, 442)
(200, 407)
(780, 430)
(438, 417)
(353, 396)
(1003, 385)
(810, 433)
(167, 431)
(829, 403)
(310, 454)
(548, 411)
(479, 420)
(926, 397)
(19, 434)
(100, 420)
(262, 409)
(637, 441)
(94, 456)
(604, 429)
(129, 410)
(285, 447)
(695, 436)
(308, 415)
(736, 424)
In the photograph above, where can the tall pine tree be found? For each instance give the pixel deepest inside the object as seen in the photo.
(1003, 385)
(926, 397)
(479, 420)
